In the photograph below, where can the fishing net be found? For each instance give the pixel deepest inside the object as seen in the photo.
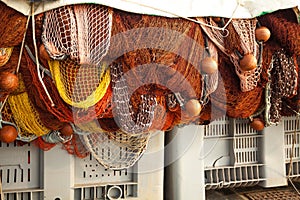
(80, 85)
(284, 28)
(283, 81)
(120, 152)
(209, 81)
(76, 147)
(62, 112)
(81, 32)
(228, 96)
(155, 64)
(246, 30)
(12, 25)
(240, 36)
(122, 148)
(25, 114)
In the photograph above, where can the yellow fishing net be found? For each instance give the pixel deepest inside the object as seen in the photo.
(80, 86)
(25, 115)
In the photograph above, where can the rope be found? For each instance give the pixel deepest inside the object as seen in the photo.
(92, 99)
(36, 56)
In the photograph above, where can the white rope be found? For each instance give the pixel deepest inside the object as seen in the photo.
(36, 56)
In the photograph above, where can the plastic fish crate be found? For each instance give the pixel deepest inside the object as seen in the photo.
(30, 174)
(292, 146)
(231, 154)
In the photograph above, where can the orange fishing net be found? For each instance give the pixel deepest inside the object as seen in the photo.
(12, 25)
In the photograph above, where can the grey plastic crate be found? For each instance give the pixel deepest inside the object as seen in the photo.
(292, 146)
(30, 174)
(231, 154)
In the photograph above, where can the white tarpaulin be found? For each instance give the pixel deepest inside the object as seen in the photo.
(171, 8)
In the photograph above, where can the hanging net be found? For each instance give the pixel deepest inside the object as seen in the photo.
(245, 28)
(285, 29)
(122, 148)
(79, 85)
(242, 33)
(116, 150)
(81, 32)
(25, 114)
(124, 114)
(283, 80)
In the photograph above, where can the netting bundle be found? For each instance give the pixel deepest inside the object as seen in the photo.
(245, 28)
(12, 25)
(283, 82)
(120, 149)
(80, 85)
(161, 57)
(81, 32)
(25, 114)
(238, 41)
(115, 150)
(285, 29)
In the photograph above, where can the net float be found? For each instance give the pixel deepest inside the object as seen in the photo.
(8, 134)
(193, 107)
(66, 130)
(8, 81)
(262, 34)
(257, 124)
(209, 65)
(248, 62)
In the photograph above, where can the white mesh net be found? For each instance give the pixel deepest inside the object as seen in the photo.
(115, 150)
(123, 148)
(79, 31)
(246, 30)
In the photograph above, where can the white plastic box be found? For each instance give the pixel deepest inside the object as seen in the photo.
(30, 174)
(231, 154)
(292, 146)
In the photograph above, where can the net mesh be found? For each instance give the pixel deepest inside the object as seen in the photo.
(25, 114)
(79, 31)
(122, 148)
(283, 83)
(246, 31)
(120, 152)
(124, 114)
(242, 33)
(80, 85)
